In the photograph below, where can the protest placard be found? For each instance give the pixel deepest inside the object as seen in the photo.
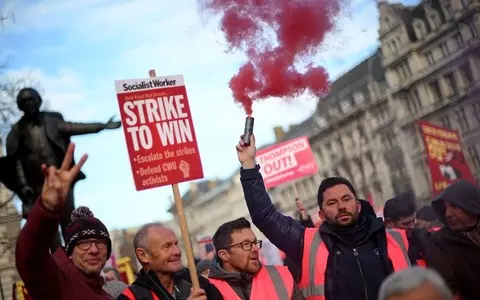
(445, 157)
(159, 131)
(286, 161)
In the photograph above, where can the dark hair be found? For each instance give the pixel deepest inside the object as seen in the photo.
(223, 236)
(331, 182)
(426, 213)
(399, 207)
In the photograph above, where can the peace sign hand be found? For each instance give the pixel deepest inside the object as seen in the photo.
(58, 182)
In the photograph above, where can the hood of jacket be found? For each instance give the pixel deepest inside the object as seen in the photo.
(462, 194)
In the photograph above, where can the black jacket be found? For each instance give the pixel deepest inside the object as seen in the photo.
(353, 278)
(451, 253)
(183, 285)
(241, 283)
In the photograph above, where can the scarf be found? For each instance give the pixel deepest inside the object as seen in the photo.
(474, 234)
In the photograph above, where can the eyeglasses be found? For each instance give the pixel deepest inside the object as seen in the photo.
(247, 245)
(87, 244)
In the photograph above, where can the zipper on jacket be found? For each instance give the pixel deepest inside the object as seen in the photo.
(355, 253)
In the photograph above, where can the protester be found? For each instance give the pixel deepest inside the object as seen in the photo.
(399, 212)
(203, 267)
(162, 275)
(415, 284)
(111, 273)
(71, 273)
(114, 288)
(454, 250)
(427, 219)
(348, 257)
(303, 217)
(236, 269)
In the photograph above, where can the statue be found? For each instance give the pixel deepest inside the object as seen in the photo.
(40, 137)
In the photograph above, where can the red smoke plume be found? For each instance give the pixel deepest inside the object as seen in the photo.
(298, 28)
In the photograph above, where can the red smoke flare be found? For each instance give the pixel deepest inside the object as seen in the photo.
(299, 26)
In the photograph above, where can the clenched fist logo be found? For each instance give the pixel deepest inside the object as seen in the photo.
(185, 168)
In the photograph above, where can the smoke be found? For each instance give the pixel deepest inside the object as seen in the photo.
(277, 36)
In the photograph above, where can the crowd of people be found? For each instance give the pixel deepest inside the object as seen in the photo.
(428, 254)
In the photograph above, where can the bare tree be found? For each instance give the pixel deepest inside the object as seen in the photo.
(9, 88)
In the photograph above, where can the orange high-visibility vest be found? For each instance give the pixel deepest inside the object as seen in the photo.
(271, 282)
(315, 256)
(129, 294)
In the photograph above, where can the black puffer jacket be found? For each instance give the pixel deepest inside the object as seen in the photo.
(451, 253)
(346, 277)
(148, 281)
(241, 283)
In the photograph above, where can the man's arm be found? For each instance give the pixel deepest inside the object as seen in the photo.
(284, 232)
(439, 260)
(35, 265)
(71, 128)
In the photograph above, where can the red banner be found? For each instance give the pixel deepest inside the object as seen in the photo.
(159, 132)
(286, 161)
(446, 160)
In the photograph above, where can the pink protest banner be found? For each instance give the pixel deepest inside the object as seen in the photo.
(286, 161)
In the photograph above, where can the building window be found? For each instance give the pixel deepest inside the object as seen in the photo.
(404, 69)
(388, 140)
(473, 153)
(394, 45)
(321, 121)
(452, 83)
(445, 120)
(436, 21)
(466, 73)
(413, 103)
(462, 119)
(430, 58)
(444, 48)
(358, 97)
(345, 105)
(476, 111)
(436, 92)
(459, 40)
(449, 9)
(421, 29)
(473, 29)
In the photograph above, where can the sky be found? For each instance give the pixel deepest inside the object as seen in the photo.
(74, 53)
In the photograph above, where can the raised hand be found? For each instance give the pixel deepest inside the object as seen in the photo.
(197, 295)
(58, 182)
(246, 153)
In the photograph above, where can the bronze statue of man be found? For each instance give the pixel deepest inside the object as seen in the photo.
(40, 137)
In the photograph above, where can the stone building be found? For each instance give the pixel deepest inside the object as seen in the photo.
(9, 229)
(431, 56)
(428, 68)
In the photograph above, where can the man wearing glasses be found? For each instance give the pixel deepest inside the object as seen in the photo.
(71, 273)
(237, 272)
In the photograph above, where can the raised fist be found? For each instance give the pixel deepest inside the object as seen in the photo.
(246, 153)
(185, 168)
